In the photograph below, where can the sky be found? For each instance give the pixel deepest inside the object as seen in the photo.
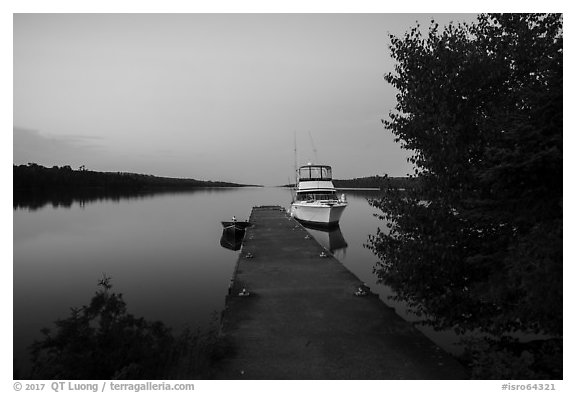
(208, 96)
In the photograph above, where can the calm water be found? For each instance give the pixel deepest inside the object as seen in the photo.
(163, 253)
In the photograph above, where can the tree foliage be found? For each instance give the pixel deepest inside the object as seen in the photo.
(103, 341)
(478, 244)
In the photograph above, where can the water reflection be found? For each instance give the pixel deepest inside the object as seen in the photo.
(161, 247)
(37, 199)
(330, 238)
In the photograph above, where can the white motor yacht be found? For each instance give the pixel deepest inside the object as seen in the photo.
(316, 201)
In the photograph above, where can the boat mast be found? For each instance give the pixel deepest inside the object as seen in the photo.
(294, 185)
(313, 148)
(295, 161)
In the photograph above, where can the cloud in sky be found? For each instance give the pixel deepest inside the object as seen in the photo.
(208, 96)
(33, 146)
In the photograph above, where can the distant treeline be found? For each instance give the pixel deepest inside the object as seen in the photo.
(381, 182)
(34, 176)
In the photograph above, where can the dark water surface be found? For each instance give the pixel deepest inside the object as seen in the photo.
(163, 253)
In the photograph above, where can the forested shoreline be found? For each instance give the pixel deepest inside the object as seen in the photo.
(381, 182)
(34, 176)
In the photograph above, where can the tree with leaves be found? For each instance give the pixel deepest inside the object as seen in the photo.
(104, 341)
(477, 245)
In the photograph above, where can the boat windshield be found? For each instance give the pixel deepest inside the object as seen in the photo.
(315, 172)
(316, 196)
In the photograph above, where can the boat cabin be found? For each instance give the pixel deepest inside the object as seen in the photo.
(315, 173)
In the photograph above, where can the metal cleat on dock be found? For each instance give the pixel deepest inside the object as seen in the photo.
(243, 292)
(323, 255)
(360, 292)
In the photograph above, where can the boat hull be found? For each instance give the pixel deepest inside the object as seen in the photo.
(235, 226)
(318, 214)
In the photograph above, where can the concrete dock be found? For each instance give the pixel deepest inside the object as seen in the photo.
(302, 319)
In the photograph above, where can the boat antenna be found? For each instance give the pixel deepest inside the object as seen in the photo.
(313, 148)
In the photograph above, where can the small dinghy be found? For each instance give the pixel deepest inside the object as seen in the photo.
(233, 233)
(235, 226)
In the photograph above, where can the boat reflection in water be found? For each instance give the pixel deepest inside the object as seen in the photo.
(330, 238)
(231, 240)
